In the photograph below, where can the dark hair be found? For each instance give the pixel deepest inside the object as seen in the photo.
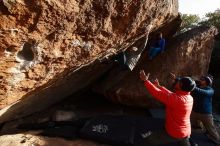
(159, 33)
(187, 84)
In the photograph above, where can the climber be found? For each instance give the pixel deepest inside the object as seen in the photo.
(178, 109)
(202, 108)
(158, 47)
(128, 59)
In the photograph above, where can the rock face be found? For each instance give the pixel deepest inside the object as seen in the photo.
(51, 49)
(187, 54)
(214, 70)
(32, 140)
(215, 60)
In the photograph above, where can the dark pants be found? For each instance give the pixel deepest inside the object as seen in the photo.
(161, 137)
(153, 52)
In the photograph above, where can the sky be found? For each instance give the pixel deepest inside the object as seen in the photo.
(199, 7)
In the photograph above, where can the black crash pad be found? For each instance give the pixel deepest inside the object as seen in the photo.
(127, 130)
(113, 130)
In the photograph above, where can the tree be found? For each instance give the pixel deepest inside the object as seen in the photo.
(189, 21)
(213, 19)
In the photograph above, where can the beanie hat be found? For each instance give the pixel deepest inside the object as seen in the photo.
(208, 80)
(187, 84)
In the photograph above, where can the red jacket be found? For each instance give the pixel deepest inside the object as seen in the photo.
(178, 109)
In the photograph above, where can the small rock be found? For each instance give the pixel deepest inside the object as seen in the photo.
(23, 141)
(64, 115)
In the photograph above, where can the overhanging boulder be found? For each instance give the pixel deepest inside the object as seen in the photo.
(51, 49)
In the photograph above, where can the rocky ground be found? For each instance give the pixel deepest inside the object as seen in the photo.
(32, 140)
(90, 105)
